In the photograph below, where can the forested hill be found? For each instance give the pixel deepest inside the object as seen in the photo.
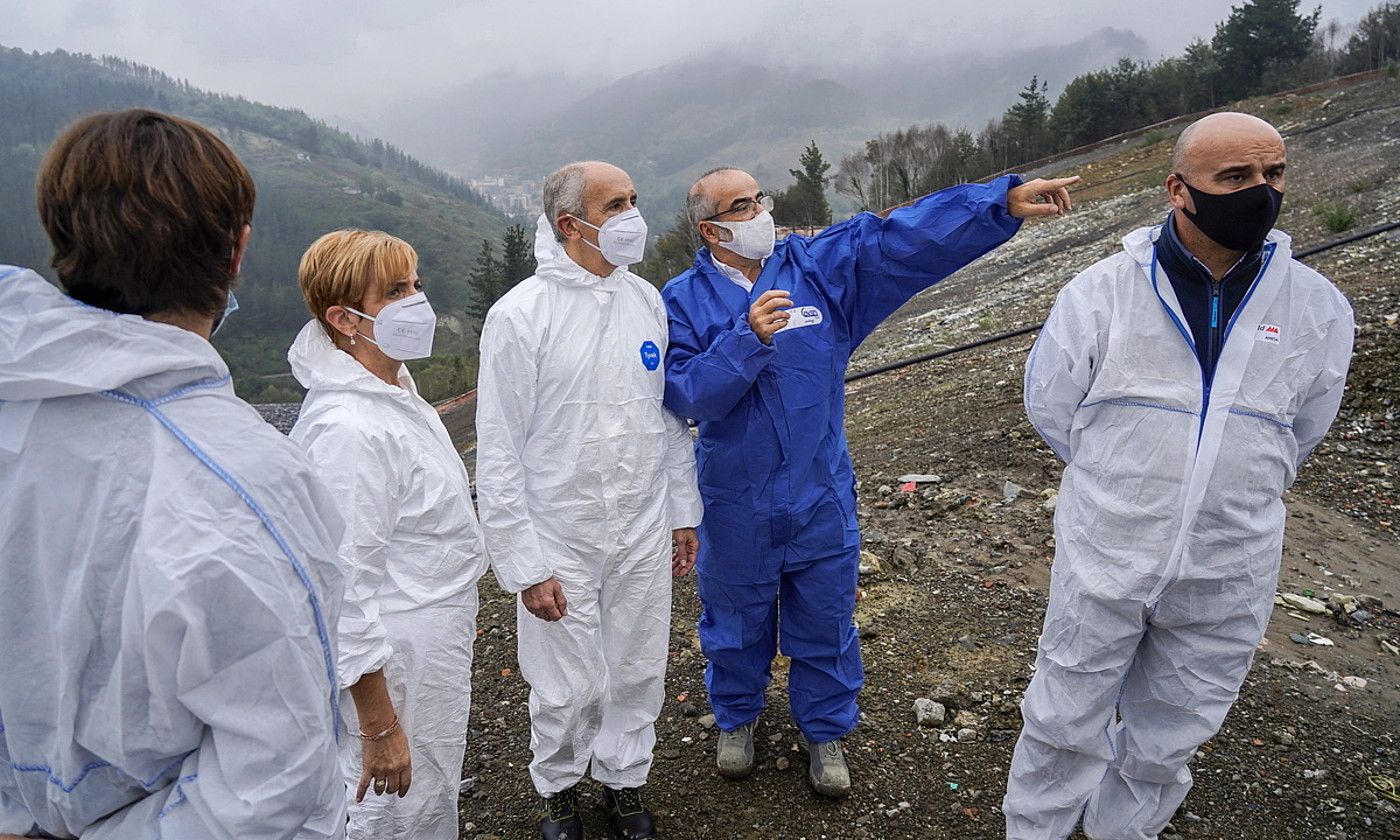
(311, 178)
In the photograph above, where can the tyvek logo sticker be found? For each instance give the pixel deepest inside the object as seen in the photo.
(1269, 333)
(651, 355)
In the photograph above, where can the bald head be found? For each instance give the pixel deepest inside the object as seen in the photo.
(715, 190)
(574, 189)
(1221, 140)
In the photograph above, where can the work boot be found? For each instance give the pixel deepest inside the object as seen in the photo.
(828, 772)
(735, 752)
(560, 816)
(628, 814)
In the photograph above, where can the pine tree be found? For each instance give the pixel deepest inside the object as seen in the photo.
(1261, 44)
(483, 282)
(804, 204)
(517, 258)
(1028, 120)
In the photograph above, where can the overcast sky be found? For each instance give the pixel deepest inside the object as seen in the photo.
(347, 58)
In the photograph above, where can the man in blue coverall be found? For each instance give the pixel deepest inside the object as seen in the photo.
(761, 332)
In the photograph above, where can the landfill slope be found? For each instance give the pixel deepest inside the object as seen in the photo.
(956, 570)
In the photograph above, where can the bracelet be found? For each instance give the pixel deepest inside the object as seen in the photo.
(385, 734)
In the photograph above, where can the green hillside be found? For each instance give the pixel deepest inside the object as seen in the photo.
(311, 178)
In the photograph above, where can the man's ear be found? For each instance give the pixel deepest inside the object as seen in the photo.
(568, 226)
(1178, 194)
(712, 236)
(239, 249)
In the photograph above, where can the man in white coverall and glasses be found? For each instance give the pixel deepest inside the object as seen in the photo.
(1183, 381)
(584, 481)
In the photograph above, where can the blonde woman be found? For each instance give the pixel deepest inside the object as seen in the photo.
(412, 549)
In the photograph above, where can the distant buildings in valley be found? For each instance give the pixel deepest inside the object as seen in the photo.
(513, 196)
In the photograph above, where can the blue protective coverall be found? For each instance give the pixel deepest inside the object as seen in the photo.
(774, 472)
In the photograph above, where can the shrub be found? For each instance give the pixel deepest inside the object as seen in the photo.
(1337, 217)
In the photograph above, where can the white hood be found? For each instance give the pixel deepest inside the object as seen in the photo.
(554, 265)
(321, 366)
(53, 346)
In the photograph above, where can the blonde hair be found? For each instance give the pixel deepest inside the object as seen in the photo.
(340, 268)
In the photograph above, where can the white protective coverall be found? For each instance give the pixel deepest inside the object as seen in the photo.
(170, 590)
(583, 475)
(1169, 527)
(412, 555)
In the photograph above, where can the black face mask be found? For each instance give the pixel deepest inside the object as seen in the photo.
(1238, 220)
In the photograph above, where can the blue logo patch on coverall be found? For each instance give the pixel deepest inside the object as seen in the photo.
(651, 355)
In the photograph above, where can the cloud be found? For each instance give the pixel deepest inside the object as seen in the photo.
(351, 57)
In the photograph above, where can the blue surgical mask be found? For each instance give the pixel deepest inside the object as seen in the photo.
(229, 308)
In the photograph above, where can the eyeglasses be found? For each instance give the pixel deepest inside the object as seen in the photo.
(746, 205)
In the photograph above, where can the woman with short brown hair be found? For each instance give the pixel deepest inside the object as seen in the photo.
(412, 550)
(169, 560)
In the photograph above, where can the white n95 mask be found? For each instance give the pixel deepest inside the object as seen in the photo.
(404, 329)
(622, 240)
(753, 239)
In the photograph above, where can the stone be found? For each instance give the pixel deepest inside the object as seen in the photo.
(690, 710)
(707, 721)
(945, 693)
(966, 719)
(1010, 491)
(869, 563)
(967, 643)
(929, 713)
(920, 478)
(1050, 503)
(1304, 603)
(1361, 616)
(1354, 682)
(782, 763)
(967, 735)
(1340, 603)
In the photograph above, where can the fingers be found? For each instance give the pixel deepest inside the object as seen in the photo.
(365, 777)
(1043, 197)
(405, 779)
(545, 600)
(767, 314)
(545, 611)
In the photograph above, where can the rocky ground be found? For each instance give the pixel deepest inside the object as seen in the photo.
(956, 569)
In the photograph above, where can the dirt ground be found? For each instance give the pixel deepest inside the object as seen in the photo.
(955, 592)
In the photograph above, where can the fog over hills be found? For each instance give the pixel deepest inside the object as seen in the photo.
(668, 124)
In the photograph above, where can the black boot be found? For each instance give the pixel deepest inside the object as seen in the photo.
(628, 814)
(560, 816)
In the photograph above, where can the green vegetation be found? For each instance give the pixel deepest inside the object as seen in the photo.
(1263, 46)
(804, 203)
(1152, 138)
(493, 277)
(311, 178)
(1336, 216)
